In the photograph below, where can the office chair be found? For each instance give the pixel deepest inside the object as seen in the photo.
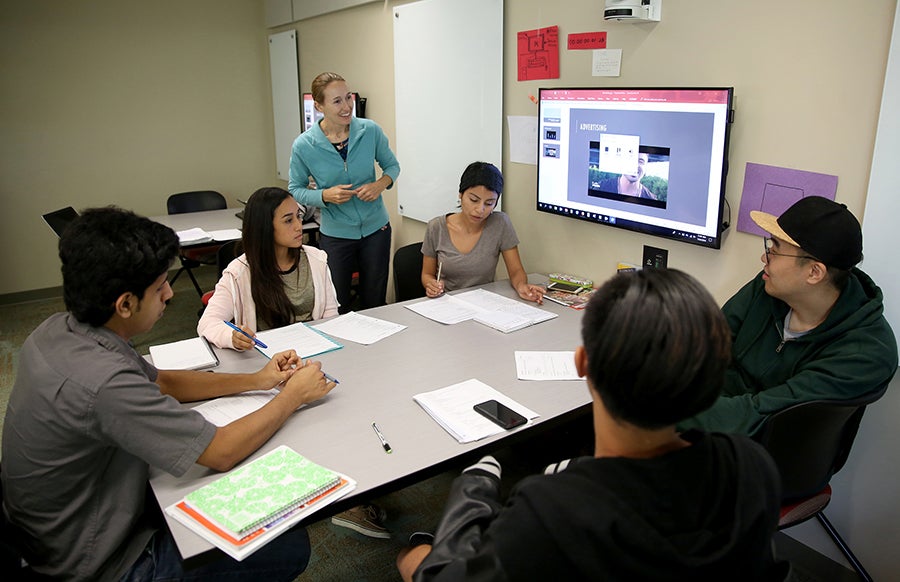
(58, 220)
(408, 272)
(226, 253)
(810, 442)
(193, 257)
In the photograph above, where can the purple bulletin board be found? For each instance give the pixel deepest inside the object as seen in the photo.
(773, 189)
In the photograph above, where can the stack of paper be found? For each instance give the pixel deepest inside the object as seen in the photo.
(445, 309)
(306, 341)
(491, 309)
(193, 236)
(226, 234)
(503, 321)
(251, 505)
(546, 366)
(189, 354)
(452, 408)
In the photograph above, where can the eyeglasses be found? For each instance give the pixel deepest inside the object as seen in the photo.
(769, 244)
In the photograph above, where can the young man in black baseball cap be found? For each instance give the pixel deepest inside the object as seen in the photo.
(810, 326)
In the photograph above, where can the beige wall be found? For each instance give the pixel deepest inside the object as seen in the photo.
(128, 105)
(124, 102)
(807, 92)
(357, 43)
(803, 99)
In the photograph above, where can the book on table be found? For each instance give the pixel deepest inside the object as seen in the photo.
(190, 354)
(251, 505)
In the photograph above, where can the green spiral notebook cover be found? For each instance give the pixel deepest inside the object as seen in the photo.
(262, 491)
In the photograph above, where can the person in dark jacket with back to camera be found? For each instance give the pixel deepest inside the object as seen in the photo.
(652, 504)
(810, 326)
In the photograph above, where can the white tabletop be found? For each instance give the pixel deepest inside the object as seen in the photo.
(210, 220)
(377, 384)
(206, 219)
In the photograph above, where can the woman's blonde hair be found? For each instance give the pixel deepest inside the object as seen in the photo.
(320, 82)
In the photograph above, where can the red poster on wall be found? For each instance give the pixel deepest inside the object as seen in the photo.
(538, 52)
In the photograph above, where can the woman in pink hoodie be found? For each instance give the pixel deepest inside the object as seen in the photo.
(277, 281)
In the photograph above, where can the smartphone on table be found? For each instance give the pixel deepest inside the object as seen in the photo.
(500, 414)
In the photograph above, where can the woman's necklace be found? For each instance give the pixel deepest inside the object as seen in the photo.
(338, 137)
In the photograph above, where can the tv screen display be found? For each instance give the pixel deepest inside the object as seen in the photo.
(312, 115)
(650, 160)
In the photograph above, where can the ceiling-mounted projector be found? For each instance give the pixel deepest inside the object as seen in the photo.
(633, 10)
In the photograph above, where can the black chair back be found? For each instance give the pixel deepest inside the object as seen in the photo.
(227, 253)
(408, 272)
(811, 441)
(197, 201)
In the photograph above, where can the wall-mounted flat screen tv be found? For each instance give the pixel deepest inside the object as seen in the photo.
(651, 160)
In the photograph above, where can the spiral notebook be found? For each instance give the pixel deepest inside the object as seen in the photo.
(190, 354)
(230, 507)
(262, 491)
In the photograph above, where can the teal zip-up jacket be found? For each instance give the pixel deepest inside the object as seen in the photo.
(313, 155)
(851, 353)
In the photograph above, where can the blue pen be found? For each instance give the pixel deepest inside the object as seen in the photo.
(331, 378)
(239, 330)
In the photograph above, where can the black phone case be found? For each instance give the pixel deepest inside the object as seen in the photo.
(512, 420)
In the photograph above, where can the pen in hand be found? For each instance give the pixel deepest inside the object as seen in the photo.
(331, 378)
(384, 443)
(438, 279)
(239, 330)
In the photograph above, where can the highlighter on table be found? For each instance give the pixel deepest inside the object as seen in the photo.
(384, 443)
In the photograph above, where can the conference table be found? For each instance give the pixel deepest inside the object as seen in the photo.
(223, 219)
(377, 384)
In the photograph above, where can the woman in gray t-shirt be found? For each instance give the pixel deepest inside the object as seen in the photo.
(463, 248)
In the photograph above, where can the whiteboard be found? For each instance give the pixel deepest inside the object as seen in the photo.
(880, 240)
(448, 80)
(285, 96)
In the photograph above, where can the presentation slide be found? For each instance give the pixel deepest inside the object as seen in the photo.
(675, 147)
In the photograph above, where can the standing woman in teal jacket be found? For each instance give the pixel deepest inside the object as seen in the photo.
(339, 154)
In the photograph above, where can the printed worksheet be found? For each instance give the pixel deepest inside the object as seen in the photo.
(359, 328)
(546, 366)
(306, 341)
